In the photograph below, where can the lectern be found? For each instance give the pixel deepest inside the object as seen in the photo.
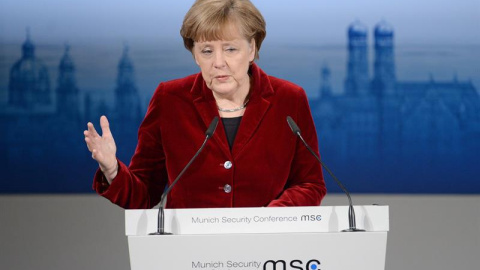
(278, 238)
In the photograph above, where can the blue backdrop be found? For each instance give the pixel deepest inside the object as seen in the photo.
(393, 87)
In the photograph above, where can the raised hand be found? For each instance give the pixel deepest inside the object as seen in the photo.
(103, 148)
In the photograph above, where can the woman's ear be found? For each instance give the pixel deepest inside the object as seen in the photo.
(193, 54)
(196, 61)
(253, 49)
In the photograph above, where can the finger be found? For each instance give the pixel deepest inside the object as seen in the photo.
(89, 146)
(105, 125)
(92, 129)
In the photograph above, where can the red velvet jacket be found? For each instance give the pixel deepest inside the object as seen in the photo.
(270, 166)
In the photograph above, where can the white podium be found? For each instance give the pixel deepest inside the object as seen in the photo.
(279, 238)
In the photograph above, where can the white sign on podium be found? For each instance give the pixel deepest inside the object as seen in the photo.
(279, 238)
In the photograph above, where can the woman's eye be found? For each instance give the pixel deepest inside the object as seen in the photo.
(206, 51)
(231, 49)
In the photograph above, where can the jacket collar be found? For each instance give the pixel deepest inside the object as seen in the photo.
(256, 109)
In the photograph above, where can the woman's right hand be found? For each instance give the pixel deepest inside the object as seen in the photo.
(103, 148)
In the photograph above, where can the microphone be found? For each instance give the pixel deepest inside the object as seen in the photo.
(163, 200)
(351, 212)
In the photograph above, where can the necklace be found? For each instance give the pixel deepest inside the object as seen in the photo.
(234, 109)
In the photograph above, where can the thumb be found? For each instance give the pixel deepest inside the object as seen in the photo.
(105, 125)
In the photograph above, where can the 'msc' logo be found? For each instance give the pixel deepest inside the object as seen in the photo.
(294, 264)
(311, 218)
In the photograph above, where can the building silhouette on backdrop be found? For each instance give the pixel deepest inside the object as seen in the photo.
(44, 126)
(385, 122)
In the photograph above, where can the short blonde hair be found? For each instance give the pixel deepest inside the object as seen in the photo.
(209, 20)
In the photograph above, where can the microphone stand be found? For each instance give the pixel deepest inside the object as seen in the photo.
(163, 199)
(351, 210)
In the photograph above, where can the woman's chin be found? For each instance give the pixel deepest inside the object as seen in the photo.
(224, 89)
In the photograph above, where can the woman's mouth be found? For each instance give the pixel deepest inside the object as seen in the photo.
(222, 77)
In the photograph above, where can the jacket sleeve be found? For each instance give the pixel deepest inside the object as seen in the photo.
(305, 185)
(141, 184)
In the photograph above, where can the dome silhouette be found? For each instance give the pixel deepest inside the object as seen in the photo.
(357, 29)
(383, 29)
(29, 83)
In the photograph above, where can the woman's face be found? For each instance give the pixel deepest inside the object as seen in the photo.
(224, 63)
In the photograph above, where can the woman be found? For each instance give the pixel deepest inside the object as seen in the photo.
(252, 160)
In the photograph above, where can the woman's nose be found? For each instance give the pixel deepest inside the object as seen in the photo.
(219, 60)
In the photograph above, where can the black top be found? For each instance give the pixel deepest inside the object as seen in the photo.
(231, 127)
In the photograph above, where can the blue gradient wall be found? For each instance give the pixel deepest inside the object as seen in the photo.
(393, 87)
